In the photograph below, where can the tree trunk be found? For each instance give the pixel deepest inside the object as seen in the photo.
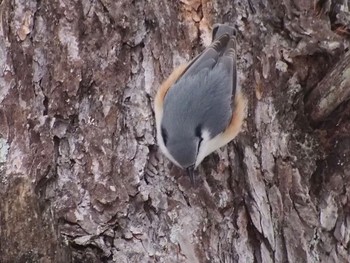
(82, 179)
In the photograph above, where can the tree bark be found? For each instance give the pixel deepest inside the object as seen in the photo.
(82, 179)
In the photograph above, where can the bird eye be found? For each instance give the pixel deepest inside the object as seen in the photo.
(164, 135)
(198, 131)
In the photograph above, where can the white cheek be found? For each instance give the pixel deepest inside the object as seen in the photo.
(209, 145)
(204, 149)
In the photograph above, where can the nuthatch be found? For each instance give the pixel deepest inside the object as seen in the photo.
(200, 107)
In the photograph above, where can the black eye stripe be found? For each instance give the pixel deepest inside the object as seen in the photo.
(198, 133)
(164, 135)
(199, 144)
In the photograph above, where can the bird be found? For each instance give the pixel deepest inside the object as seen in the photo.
(200, 107)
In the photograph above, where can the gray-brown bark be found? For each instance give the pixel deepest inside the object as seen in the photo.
(331, 91)
(82, 179)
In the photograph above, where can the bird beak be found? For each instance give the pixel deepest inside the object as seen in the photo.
(190, 173)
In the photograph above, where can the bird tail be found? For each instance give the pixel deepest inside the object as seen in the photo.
(224, 40)
(221, 29)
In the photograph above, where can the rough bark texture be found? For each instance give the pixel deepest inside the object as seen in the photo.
(82, 179)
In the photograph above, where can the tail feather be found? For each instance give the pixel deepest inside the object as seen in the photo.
(221, 29)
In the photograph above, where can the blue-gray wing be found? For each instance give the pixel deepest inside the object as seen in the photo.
(222, 50)
(202, 97)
